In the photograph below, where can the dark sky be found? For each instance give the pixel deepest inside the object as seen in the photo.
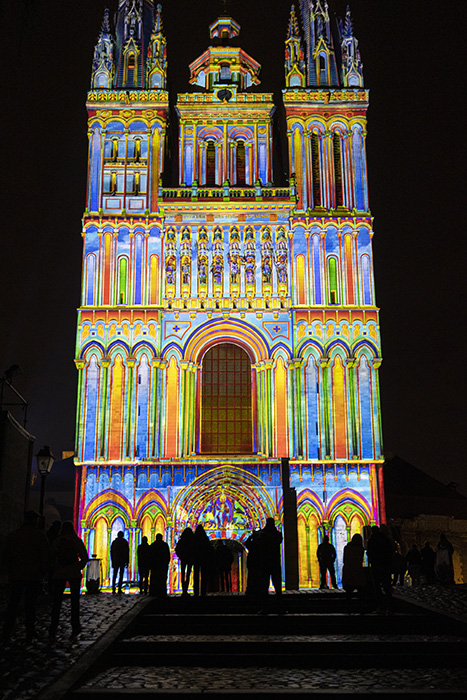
(414, 65)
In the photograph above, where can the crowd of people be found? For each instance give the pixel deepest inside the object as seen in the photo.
(59, 556)
(29, 557)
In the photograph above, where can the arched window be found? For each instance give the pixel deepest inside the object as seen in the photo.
(240, 163)
(225, 73)
(336, 144)
(210, 163)
(316, 170)
(226, 407)
(131, 68)
(332, 281)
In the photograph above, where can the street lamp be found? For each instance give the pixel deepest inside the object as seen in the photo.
(45, 460)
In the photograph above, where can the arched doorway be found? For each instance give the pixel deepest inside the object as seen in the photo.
(226, 406)
(238, 571)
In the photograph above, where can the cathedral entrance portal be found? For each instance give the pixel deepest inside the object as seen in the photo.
(236, 578)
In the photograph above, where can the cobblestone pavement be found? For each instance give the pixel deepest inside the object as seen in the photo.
(202, 679)
(451, 600)
(28, 669)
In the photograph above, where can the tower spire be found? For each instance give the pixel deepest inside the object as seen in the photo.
(103, 62)
(294, 60)
(352, 68)
(156, 66)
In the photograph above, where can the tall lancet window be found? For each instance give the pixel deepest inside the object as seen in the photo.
(210, 163)
(131, 68)
(316, 170)
(240, 163)
(336, 143)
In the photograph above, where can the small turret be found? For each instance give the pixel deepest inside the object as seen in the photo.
(294, 59)
(320, 55)
(352, 68)
(156, 66)
(223, 68)
(103, 64)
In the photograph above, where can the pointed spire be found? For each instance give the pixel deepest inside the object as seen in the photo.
(352, 68)
(293, 32)
(294, 60)
(156, 65)
(348, 26)
(103, 62)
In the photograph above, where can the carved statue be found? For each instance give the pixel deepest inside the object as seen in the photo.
(186, 269)
(202, 270)
(266, 268)
(281, 265)
(234, 264)
(170, 267)
(250, 265)
(217, 268)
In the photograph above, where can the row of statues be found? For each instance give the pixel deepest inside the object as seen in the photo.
(235, 263)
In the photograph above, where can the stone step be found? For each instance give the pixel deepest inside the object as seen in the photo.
(297, 654)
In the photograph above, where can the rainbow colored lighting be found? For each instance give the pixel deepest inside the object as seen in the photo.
(226, 300)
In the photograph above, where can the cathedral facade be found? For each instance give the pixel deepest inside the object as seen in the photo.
(227, 322)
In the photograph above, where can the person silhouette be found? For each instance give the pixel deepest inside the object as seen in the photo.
(120, 556)
(70, 557)
(184, 550)
(160, 558)
(27, 558)
(202, 559)
(326, 554)
(414, 564)
(270, 556)
(443, 564)
(143, 554)
(379, 551)
(353, 576)
(428, 556)
(253, 564)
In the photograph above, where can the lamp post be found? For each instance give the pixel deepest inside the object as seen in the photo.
(45, 460)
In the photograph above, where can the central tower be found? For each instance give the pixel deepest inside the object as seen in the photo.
(227, 322)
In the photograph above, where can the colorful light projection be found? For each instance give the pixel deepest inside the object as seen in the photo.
(226, 322)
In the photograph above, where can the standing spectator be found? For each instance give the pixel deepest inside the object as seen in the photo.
(399, 568)
(70, 557)
(224, 560)
(270, 540)
(443, 564)
(184, 550)
(379, 551)
(143, 554)
(326, 557)
(428, 556)
(52, 533)
(414, 563)
(253, 564)
(120, 556)
(353, 576)
(202, 561)
(26, 558)
(160, 558)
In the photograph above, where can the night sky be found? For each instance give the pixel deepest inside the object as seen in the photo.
(414, 65)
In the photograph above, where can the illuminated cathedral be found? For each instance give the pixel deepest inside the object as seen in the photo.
(227, 322)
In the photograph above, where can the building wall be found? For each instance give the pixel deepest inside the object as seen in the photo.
(225, 257)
